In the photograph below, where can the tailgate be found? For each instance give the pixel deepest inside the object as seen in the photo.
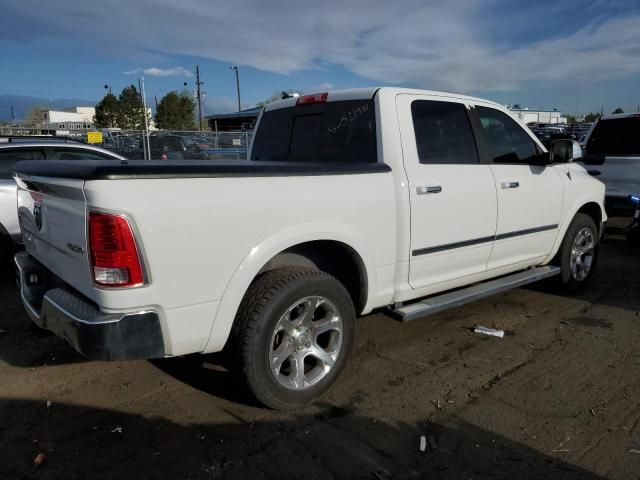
(52, 215)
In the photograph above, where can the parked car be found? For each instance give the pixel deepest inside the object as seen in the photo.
(612, 153)
(15, 149)
(351, 201)
(170, 147)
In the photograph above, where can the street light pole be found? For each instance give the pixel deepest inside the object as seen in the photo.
(235, 67)
(108, 87)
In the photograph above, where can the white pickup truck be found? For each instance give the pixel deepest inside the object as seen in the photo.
(350, 201)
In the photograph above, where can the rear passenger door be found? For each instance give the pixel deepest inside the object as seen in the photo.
(452, 195)
(530, 195)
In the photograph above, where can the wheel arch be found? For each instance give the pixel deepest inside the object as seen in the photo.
(340, 253)
(586, 206)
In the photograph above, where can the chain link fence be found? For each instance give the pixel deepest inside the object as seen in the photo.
(159, 145)
(177, 145)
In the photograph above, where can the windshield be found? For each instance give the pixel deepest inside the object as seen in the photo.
(616, 136)
(342, 131)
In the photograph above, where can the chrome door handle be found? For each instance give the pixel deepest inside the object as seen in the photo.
(510, 184)
(428, 189)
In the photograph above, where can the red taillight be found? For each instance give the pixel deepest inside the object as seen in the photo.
(313, 98)
(114, 255)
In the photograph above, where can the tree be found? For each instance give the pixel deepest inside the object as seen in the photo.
(176, 111)
(591, 117)
(571, 119)
(277, 96)
(35, 115)
(130, 114)
(618, 110)
(107, 112)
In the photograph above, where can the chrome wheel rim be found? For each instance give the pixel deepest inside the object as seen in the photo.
(306, 343)
(582, 253)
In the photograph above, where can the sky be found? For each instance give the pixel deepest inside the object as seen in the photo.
(573, 55)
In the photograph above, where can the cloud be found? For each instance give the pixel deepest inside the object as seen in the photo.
(457, 45)
(161, 72)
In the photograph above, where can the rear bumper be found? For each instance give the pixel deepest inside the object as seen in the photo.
(96, 335)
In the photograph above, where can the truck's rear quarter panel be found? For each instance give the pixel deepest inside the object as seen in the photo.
(195, 233)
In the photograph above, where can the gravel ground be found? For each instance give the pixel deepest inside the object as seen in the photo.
(557, 397)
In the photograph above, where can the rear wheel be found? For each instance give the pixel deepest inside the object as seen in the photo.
(578, 254)
(295, 331)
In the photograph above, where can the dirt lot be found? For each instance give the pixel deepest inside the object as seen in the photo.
(558, 397)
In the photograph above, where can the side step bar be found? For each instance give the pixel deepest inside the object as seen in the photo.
(438, 303)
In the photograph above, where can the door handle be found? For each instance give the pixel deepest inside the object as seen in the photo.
(594, 173)
(510, 184)
(428, 189)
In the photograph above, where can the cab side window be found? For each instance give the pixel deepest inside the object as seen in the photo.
(506, 141)
(78, 154)
(9, 157)
(443, 133)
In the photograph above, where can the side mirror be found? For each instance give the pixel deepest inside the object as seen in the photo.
(565, 151)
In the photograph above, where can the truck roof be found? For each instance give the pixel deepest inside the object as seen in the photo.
(368, 93)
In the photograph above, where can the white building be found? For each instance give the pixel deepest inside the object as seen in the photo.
(527, 115)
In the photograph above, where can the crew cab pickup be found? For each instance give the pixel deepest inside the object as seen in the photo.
(350, 201)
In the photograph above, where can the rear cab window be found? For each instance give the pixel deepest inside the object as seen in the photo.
(615, 136)
(340, 131)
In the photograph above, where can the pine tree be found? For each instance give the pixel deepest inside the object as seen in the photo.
(107, 112)
(130, 114)
(176, 111)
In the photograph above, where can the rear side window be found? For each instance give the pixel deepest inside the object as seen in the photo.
(342, 131)
(10, 156)
(506, 140)
(79, 154)
(616, 136)
(443, 132)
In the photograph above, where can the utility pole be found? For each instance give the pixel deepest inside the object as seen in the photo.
(235, 67)
(13, 113)
(199, 94)
(146, 147)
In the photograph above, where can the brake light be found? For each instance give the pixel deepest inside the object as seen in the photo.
(115, 261)
(313, 98)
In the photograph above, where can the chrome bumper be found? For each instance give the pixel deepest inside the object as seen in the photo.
(96, 335)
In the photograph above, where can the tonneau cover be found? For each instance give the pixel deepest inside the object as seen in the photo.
(134, 169)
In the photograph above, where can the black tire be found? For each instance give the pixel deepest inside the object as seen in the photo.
(264, 306)
(568, 281)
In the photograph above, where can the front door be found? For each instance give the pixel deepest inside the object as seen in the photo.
(530, 195)
(452, 195)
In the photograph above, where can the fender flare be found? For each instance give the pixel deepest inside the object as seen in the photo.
(568, 218)
(268, 248)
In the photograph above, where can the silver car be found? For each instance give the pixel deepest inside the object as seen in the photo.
(16, 149)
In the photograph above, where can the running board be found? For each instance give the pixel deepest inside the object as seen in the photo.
(438, 303)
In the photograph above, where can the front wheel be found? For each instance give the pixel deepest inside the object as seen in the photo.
(295, 330)
(578, 254)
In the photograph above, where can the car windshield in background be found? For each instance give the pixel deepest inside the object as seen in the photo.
(616, 136)
(342, 131)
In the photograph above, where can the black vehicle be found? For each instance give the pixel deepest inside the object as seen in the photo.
(170, 147)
